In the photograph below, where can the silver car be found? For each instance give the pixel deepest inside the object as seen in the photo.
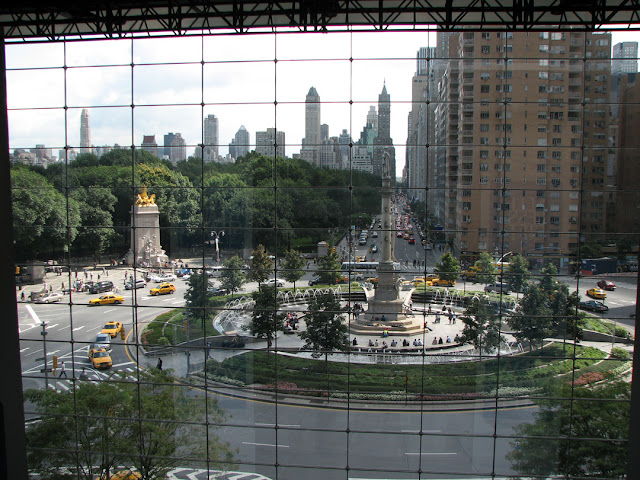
(50, 298)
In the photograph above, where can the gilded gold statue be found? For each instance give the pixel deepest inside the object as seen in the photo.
(144, 200)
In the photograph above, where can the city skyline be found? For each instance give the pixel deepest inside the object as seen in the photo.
(376, 62)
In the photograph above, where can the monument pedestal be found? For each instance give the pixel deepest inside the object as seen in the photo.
(145, 234)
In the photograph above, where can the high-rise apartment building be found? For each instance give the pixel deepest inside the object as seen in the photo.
(521, 140)
(177, 148)
(242, 142)
(270, 143)
(211, 139)
(372, 118)
(383, 143)
(312, 128)
(85, 132)
(625, 58)
(168, 140)
(149, 144)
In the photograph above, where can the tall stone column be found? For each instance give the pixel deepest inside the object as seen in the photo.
(145, 233)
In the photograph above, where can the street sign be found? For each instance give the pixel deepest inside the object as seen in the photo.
(43, 370)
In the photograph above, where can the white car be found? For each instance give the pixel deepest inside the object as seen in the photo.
(50, 298)
(103, 340)
(274, 282)
(167, 277)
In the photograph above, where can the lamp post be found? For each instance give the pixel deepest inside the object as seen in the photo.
(215, 236)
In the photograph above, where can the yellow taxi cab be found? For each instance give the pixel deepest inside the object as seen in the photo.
(112, 328)
(373, 280)
(596, 293)
(418, 281)
(100, 358)
(163, 289)
(107, 299)
(438, 282)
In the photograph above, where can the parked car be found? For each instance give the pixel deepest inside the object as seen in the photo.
(315, 280)
(594, 306)
(163, 289)
(112, 328)
(100, 358)
(106, 299)
(596, 293)
(497, 288)
(103, 286)
(218, 292)
(139, 283)
(606, 285)
(277, 282)
(50, 298)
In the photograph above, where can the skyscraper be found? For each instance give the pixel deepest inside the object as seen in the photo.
(149, 144)
(625, 58)
(383, 143)
(242, 142)
(85, 132)
(372, 118)
(211, 139)
(312, 130)
(270, 143)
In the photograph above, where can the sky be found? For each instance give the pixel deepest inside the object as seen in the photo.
(239, 82)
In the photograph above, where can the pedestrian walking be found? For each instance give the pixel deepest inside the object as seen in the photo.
(209, 350)
(22, 296)
(63, 370)
(159, 365)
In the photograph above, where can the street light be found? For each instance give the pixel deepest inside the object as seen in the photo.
(216, 235)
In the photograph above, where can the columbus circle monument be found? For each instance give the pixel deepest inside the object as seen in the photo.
(145, 233)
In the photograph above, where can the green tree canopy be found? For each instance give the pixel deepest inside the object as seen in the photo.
(292, 268)
(487, 271)
(448, 268)
(231, 276)
(266, 319)
(260, 265)
(481, 326)
(583, 438)
(535, 320)
(197, 297)
(87, 431)
(548, 283)
(40, 215)
(326, 330)
(517, 274)
(329, 267)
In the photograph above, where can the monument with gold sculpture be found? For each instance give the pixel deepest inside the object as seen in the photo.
(146, 250)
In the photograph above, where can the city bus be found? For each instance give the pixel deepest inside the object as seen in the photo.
(360, 270)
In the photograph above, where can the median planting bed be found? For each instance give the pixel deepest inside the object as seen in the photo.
(522, 374)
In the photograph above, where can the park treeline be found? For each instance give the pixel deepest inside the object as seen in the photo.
(84, 207)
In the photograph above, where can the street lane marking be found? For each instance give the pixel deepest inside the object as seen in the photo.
(273, 425)
(123, 364)
(79, 328)
(33, 314)
(431, 453)
(25, 349)
(32, 353)
(52, 326)
(110, 310)
(265, 444)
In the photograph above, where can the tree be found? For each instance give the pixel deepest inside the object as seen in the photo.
(40, 215)
(448, 268)
(196, 296)
(231, 276)
(517, 275)
(260, 266)
(487, 270)
(266, 318)
(481, 326)
(548, 282)
(329, 267)
(326, 330)
(588, 434)
(88, 431)
(292, 267)
(534, 321)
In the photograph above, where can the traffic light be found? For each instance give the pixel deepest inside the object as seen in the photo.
(55, 362)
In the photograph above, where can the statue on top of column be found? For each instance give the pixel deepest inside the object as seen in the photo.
(144, 200)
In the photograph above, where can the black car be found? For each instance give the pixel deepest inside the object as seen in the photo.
(218, 292)
(100, 287)
(594, 306)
